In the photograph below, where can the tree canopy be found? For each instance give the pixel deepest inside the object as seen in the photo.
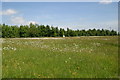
(34, 30)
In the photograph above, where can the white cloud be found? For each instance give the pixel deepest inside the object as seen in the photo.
(8, 12)
(106, 1)
(33, 22)
(20, 20)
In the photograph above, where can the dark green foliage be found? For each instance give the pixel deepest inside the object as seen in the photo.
(61, 32)
(23, 31)
(34, 30)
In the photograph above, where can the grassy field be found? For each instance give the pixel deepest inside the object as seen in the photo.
(76, 57)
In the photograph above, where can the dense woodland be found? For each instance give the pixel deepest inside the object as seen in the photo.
(35, 30)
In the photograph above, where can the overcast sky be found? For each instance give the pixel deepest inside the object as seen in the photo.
(75, 15)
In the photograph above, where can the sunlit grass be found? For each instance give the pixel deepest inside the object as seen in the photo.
(77, 57)
(0, 58)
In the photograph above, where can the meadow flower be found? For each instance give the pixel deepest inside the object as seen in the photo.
(66, 61)
(69, 57)
(14, 49)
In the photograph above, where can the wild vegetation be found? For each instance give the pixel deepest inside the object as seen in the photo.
(94, 56)
(34, 30)
(69, 57)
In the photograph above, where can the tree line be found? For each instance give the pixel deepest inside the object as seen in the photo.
(35, 30)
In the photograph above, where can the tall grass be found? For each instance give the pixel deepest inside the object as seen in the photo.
(77, 57)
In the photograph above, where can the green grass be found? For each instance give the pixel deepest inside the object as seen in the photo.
(0, 65)
(77, 57)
